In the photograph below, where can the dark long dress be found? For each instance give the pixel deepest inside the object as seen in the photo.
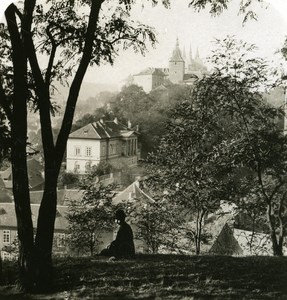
(123, 246)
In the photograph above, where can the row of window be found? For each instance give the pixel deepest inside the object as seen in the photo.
(60, 238)
(88, 151)
(113, 149)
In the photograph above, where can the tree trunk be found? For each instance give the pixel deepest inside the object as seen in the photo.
(199, 219)
(19, 155)
(276, 247)
(45, 233)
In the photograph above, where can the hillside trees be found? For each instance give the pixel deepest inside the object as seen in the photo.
(72, 35)
(224, 142)
(148, 112)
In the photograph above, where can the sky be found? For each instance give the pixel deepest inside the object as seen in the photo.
(195, 30)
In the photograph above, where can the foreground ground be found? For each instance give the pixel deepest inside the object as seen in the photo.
(162, 277)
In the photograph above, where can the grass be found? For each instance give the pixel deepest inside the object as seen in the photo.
(163, 277)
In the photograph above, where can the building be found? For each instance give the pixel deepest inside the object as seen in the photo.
(182, 69)
(108, 141)
(176, 66)
(8, 228)
(150, 78)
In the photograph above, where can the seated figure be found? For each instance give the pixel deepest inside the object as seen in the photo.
(123, 246)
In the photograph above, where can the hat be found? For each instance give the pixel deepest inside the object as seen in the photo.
(120, 214)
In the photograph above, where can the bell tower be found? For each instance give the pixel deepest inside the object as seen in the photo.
(176, 65)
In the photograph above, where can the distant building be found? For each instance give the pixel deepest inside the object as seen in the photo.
(108, 141)
(150, 79)
(176, 66)
(182, 70)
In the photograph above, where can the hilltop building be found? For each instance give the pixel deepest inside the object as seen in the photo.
(108, 141)
(182, 70)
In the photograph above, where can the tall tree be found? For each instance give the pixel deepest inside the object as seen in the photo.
(225, 128)
(73, 35)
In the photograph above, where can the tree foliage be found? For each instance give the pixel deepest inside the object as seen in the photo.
(91, 217)
(222, 142)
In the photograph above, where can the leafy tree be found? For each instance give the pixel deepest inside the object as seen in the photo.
(224, 127)
(90, 218)
(72, 39)
(217, 7)
(67, 178)
(182, 166)
(256, 151)
(103, 168)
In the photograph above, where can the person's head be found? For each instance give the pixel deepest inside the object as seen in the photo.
(120, 216)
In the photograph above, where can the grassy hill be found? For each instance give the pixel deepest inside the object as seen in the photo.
(163, 277)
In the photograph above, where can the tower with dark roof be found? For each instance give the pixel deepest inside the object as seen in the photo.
(176, 65)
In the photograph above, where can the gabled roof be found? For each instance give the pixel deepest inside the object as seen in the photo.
(101, 130)
(8, 216)
(225, 243)
(87, 132)
(133, 191)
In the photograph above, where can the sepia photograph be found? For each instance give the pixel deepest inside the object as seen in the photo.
(143, 149)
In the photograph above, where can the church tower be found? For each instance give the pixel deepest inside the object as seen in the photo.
(176, 65)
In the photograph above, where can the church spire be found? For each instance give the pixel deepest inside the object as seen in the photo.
(176, 54)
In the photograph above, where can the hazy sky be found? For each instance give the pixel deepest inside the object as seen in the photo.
(196, 30)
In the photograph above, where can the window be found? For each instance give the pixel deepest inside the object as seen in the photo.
(61, 240)
(88, 151)
(6, 236)
(77, 151)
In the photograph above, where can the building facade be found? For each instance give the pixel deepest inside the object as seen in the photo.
(108, 141)
(150, 78)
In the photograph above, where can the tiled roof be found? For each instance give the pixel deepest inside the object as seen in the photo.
(63, 196)
(35, 169)
(101, 130)
(8, 216)
(132, 192)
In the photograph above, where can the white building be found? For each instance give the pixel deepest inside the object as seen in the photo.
(108, 141)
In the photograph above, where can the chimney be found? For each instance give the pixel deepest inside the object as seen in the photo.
(116, 120)
(137, 128)
(129, 124)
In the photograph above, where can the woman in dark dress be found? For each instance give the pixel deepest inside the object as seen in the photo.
(123, 246)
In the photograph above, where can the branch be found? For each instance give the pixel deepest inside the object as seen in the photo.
(52, 56)
(42, 92)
